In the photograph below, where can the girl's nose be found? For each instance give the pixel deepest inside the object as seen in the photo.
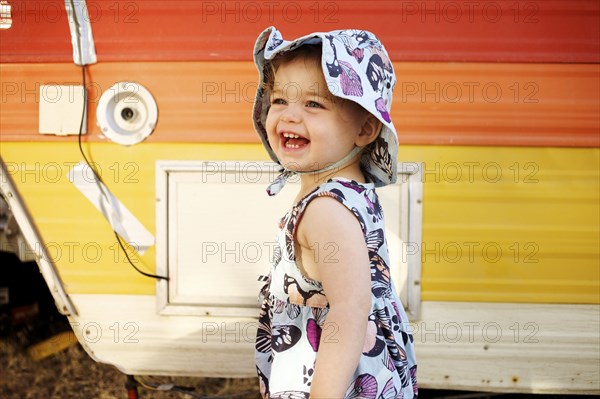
(290, 114)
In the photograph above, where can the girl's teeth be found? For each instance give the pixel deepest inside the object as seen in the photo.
(290, 138)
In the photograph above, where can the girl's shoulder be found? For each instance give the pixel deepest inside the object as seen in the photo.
(349, 192)
(345, 189)
(360, 198)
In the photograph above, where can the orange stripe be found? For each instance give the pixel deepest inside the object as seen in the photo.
(434, 103)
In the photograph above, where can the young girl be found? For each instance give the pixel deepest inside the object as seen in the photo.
(331, 324)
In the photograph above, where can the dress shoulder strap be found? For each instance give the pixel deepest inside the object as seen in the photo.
(359, 198)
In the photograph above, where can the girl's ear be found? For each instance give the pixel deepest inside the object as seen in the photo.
(369, 132)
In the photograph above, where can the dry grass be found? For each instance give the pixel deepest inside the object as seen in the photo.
(31, 318)
(72, 374)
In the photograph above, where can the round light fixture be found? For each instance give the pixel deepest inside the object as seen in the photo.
(127, 113)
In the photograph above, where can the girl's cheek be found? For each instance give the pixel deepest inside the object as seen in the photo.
(270, 127)
(272, 117)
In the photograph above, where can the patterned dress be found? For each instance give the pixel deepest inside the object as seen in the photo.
(294, 310)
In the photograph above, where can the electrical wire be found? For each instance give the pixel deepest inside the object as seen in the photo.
(188, 390)
(474, 395)
(97, 177)
(99, 182)
(131, 263)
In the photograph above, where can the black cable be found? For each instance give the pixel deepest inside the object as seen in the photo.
(97, 177)
(99, 182)
(131, 263)
(85, 97)
(474, 395)
(85, 100)
(188, 390)
(197, 396)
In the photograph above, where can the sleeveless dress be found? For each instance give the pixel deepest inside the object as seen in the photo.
(294, 310)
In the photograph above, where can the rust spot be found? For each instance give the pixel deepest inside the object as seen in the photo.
(485, 347)
(515, 379)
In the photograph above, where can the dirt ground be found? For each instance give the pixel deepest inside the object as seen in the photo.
(72, 374)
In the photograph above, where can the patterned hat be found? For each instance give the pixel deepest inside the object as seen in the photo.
(356, 67)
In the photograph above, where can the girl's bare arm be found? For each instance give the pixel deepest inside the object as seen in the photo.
(334, 252)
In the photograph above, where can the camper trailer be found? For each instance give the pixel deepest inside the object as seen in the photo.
(132, 174)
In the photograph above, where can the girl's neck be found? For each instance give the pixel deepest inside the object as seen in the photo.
(310, 181)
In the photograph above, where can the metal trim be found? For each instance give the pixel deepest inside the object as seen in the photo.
(84, 52)
(35, 241)
(414, 173)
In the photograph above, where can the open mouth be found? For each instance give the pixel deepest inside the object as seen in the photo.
(293, 141)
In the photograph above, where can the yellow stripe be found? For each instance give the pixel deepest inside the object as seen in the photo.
(500, 224)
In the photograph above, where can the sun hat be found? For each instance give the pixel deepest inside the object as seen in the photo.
(356, 67)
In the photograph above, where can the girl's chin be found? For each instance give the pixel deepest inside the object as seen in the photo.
(300, 167)
(294, 167)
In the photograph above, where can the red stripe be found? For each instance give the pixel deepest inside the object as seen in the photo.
(182, 30)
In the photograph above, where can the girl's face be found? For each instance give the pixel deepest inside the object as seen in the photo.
(307, 127)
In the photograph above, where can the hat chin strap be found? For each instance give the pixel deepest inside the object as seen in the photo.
(334, 165)
(277, 184)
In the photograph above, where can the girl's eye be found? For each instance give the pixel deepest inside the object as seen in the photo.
(279, 101)
(313, 104)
